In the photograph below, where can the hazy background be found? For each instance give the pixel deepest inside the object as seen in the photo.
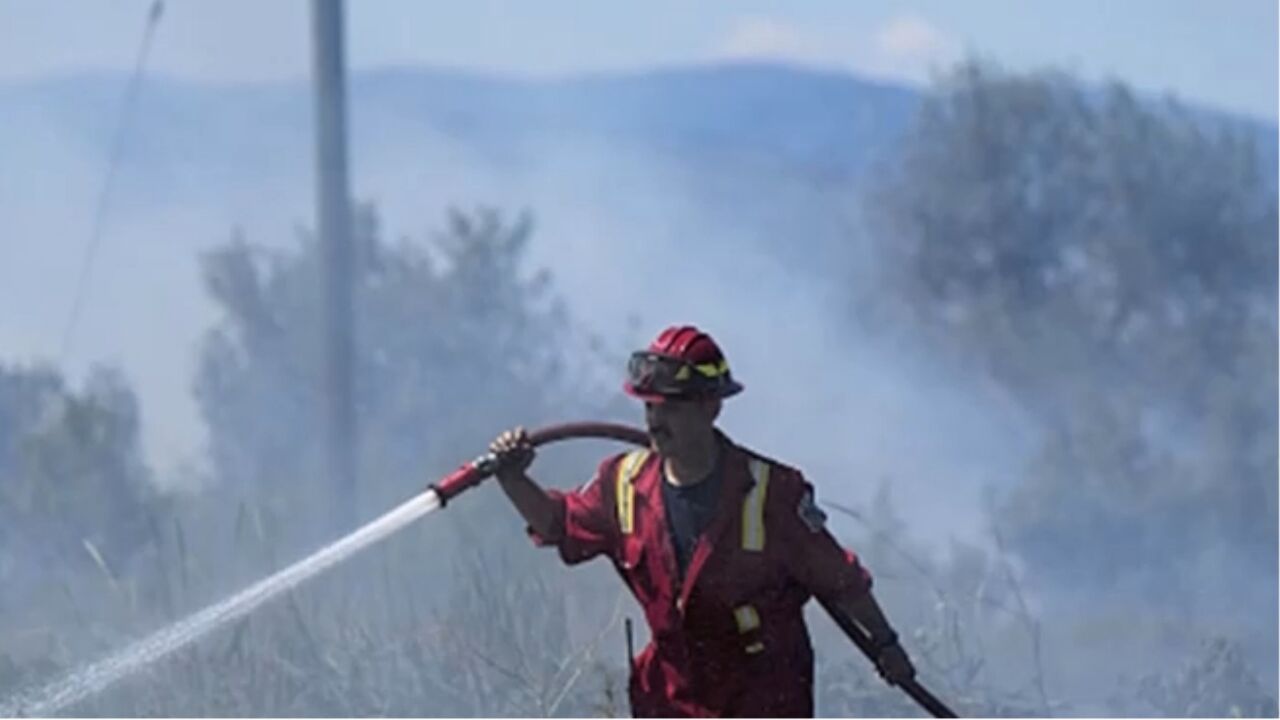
(1092, 370)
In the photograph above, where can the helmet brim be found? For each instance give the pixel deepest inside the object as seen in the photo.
(730, 389)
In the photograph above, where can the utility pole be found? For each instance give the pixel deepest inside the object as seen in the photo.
(333, 215)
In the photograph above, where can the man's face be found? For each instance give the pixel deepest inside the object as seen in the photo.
(676, 425)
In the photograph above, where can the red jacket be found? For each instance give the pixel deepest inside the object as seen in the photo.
(730, 640)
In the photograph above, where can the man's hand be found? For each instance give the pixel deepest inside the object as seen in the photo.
(890, 659)
(893, 664)
(514, 453)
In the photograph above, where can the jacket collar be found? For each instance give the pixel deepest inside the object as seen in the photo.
(735, 483)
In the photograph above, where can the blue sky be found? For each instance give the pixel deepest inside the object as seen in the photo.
(1220, 53)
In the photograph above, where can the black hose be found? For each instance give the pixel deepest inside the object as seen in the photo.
(602, 430)
(470, 474)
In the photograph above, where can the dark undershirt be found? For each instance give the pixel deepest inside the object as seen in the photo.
(689, 510)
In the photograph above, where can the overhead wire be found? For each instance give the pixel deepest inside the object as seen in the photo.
(104, 194)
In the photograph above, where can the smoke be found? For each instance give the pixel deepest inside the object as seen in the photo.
(636, 240)
(639, 240)
(638, 236)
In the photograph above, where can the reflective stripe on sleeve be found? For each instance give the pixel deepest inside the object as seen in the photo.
(753, 507)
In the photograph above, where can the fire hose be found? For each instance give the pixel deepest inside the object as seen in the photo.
(472, 473)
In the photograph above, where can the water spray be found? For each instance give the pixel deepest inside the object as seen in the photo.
(99, 675)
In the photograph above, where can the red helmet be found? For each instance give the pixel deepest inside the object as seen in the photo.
(681, 363)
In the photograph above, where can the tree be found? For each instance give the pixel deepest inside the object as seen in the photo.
(1111, 262)
(453, 340)
(74, 491)
(1050, 227)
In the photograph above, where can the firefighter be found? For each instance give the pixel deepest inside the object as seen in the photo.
(721, 546)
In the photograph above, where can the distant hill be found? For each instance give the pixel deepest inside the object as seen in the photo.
(764, 116)
(733, 132)
(827, 122)
(750, 143)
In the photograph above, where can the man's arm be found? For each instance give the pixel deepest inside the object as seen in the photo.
(515, 453)
(890, 659)
(579, 523)
(838, 579)
(533, 503)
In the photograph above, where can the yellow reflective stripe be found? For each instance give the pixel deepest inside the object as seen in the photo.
(713, 369)
(755, 647)
(626, 505)
(626, 492)
(747, 617)
(753, 507)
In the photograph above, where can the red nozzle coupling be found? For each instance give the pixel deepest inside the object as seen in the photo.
(465, 477)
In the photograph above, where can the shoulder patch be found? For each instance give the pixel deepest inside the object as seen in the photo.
(810, 514)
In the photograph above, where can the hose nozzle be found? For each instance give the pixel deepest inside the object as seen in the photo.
(465, 477)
